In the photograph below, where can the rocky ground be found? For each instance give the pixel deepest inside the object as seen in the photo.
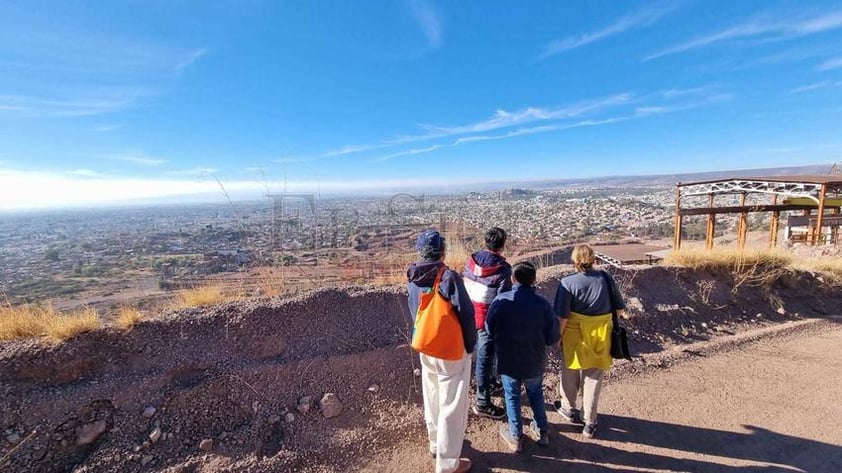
(323, 382)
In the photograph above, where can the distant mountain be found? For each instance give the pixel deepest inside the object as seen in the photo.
(671, 179)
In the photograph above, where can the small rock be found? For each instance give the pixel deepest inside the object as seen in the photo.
(155, 435)
(704, 325)
(374, 388)
(137, 448)
(781, 311)
(88, 433)
(13, 438)
(149, 412)
(289, 417)
(255, 406)
(306, 400)
(416, 372)
(147, 444)
(146, 460)
(206, 445)
(330, 405)
(274, 419)
(303, 408)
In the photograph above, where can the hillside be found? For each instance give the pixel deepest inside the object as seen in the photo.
(237, 387)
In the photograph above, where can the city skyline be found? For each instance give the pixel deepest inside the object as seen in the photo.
(107, 102)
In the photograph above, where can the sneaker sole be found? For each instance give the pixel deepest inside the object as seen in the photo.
(487, 416)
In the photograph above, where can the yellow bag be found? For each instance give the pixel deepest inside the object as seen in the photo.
(437, 331)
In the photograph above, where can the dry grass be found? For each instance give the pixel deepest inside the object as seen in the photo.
(457, 252)
(128, 318)
(729, 259)
(754, 267)
(271, 281)
(30, 321)
(202, 296)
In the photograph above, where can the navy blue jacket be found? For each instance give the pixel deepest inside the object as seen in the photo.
(422, 275)
(522, 324)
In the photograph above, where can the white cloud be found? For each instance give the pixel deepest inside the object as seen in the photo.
(106, 128)
(197, 172)
(86, 104)
(688, 99)
(428, 20)
(761, 28)
(38, 190)
(190, 59)
(833, 63)
(636, 20)
(827, 84)
(133, 157)
(85, 173)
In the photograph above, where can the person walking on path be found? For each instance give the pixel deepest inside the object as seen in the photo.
(487, 274)
(437, 292)
(521, 324)
(584, 302)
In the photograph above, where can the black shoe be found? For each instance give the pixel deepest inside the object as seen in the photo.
(496, 388)
(491, 411)
(589, 431)
(573, 415)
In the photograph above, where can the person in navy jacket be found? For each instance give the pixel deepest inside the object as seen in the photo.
(521, 325)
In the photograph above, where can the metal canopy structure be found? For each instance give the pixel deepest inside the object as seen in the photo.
(804, 193)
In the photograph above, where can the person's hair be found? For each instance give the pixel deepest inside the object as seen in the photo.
(495, 239)
(583, 257)
(525, 273)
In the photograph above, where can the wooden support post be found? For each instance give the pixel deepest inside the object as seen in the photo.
(711, 225)
(742, 225)
(834, 230)
(676, 244)
(773, 224)
(818, 236)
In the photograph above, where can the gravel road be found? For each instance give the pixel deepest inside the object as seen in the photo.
(771, 405)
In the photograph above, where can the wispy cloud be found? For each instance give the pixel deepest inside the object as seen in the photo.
(632, 21)
(86, 173)
(140, 158)
(761, 28)
(350, 149)
(428, 20)
(833, 63)
(195, 172)
(826, 84)
(107, 128)
(94, 103)
(190, 59)
(688, 99)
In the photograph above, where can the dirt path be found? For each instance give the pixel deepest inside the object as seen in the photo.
(767, 406)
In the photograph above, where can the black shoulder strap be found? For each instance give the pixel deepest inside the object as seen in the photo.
(610, 286)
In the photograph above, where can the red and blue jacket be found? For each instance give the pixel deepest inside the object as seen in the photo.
(486, 275)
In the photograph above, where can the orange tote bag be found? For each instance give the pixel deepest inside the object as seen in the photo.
(437, 331)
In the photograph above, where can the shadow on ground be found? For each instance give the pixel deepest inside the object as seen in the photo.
(570, 452)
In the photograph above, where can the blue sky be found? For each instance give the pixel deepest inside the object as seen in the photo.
(103, 101)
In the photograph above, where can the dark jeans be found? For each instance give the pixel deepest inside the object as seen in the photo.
(484, 368)
(535, 392)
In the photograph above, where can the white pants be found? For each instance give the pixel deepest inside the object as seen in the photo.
(445, 385)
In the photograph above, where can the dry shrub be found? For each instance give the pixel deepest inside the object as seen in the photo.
(750, 267)
(457, 252)
(729, 259)
(202, 296)
(831, 266)
(128, 317)
(271, 281)
(31, 321)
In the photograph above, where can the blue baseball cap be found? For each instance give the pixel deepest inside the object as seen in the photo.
(430, 243)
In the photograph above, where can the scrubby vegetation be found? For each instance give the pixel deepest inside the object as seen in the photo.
(32, 321)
